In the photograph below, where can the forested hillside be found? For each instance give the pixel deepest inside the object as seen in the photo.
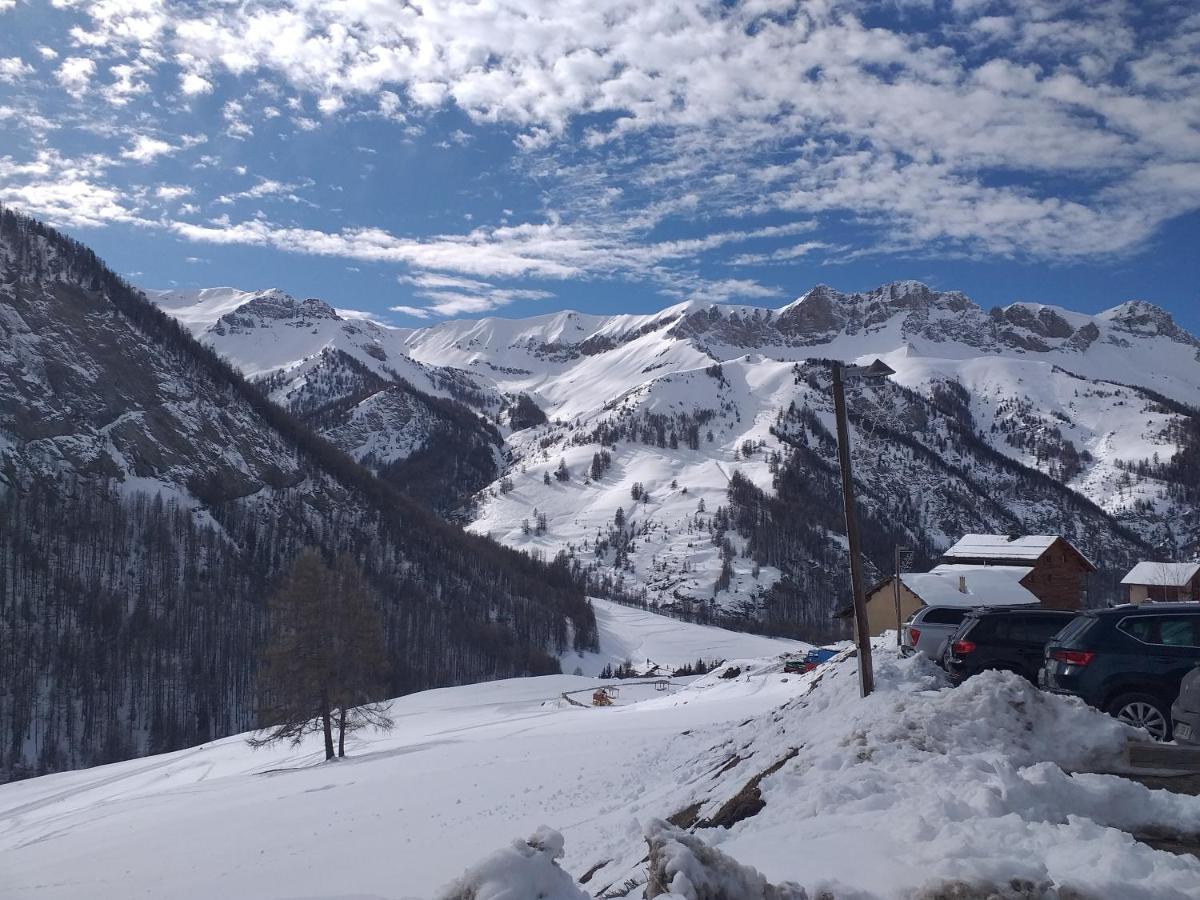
(149, 497)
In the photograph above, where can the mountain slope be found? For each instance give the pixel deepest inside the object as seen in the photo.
(149, 497)
(422, 428)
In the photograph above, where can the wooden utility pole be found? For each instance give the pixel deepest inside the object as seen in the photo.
(901, 554)
(862, 634)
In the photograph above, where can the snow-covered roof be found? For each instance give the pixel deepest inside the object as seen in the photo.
(1160, 573)
(1002, 546)
(985, 585)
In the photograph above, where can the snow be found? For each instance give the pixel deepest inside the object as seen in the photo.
(918, 786)
(984, 586)
(198, 309)
(585, 370)
(646, 639)
(1169, 574)
(527, 869)
(1001, 546)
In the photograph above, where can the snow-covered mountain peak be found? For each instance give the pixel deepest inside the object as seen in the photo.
(1143, 318)
(271, 306)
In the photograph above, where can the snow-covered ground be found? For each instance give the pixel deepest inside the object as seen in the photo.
(917, 786)
(645, 639)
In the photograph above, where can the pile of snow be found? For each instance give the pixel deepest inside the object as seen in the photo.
(526, 869)
(918, 789)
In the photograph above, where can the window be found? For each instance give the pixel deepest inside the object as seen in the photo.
(1178, 631)
(1167, 631)
(1042, 628)
(1143, 628)
(1035, 629)
(941, 616)
(1075, 629)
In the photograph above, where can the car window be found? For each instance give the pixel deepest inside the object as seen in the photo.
(977, 628)
(1169, 631)
(1178, 631)
(967, 626)
(1144, 628)
(1041, 628)
(938, 616)
(1075, 629)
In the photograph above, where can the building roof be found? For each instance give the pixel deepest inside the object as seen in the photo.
(985, 586)
(1160, 573)
(1027, 547)
(1002, 546)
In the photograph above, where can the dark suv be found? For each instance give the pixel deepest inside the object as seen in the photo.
(1127, 660)
(1010, 639)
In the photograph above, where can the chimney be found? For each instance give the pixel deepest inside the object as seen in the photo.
(962, 584)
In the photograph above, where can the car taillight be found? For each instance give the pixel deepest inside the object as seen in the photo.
(962, 648)
(914, 635)
(1072, 657)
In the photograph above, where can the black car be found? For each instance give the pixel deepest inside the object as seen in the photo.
(1009, 639)
(1128, 660)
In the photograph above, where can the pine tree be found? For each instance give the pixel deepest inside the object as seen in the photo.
(325, 656)
(360, 659)
(298, 662)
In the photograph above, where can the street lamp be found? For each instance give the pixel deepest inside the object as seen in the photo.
(862, 634)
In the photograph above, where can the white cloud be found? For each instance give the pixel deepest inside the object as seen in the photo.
(13, 68)
(419, 312)
(235, 125)
(145, 149)
(194, 85)
(75, 75)
(1037, 129)
(47, 52)
(128, 82)
(171, 192)
(62, 190)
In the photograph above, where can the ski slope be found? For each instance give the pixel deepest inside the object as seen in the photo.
(917, 788)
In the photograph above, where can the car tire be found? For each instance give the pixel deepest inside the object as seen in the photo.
(1143, 711)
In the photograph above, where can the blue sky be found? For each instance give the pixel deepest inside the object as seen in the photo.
(514, 158)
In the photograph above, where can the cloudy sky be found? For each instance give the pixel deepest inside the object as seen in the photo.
(449, 158)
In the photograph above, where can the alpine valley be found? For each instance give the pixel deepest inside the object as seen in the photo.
(164, 455)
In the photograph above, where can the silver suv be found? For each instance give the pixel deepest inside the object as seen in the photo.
(1186, 711)
(929, 627)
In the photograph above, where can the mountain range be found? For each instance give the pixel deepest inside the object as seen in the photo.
(684, 459)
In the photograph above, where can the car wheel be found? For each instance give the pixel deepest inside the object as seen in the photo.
(1143, 711)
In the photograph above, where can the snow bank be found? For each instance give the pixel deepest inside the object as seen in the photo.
(921, 785)
(526, 870)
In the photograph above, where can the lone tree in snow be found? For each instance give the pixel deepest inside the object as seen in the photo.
(325, 662)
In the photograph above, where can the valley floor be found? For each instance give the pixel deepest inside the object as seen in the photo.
(917, 787)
